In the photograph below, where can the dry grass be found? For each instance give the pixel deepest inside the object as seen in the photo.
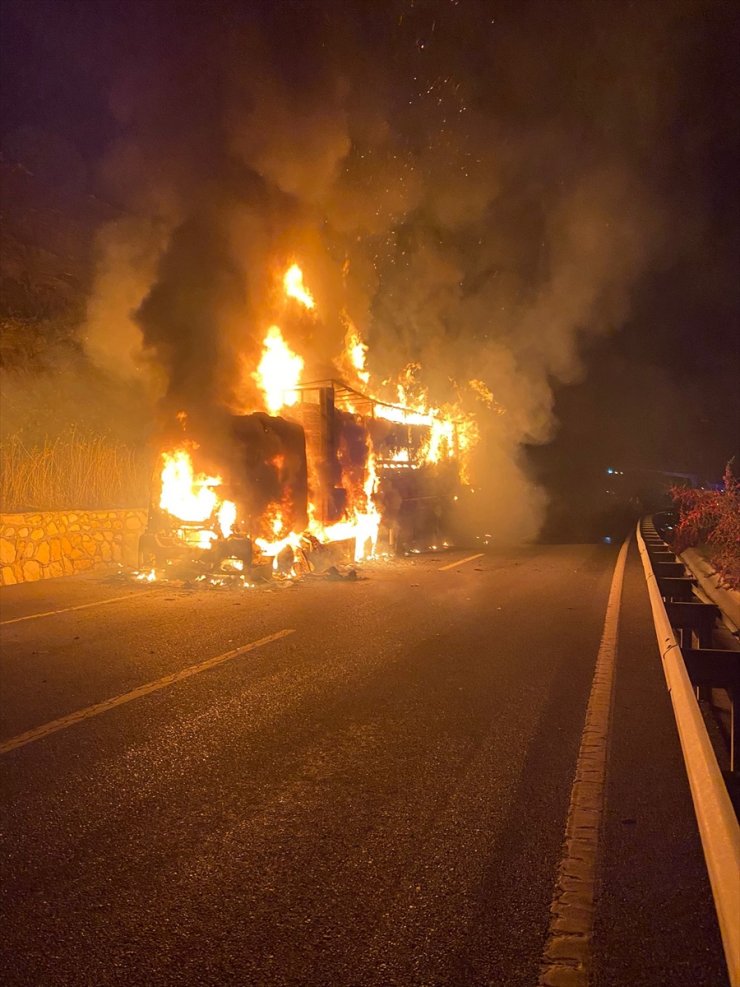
(75, 470)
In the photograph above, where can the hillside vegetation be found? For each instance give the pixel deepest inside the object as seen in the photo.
(70, 436)
(711, 518)
(46, 265)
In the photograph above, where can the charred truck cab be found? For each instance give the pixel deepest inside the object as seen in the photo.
(261, 462)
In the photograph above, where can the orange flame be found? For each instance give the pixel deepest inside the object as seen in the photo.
(411, 393)
(364, 525)
(355, 351)
(402, 416)
(272, 549)
(279, 372)
(442, 437)
(227, 517)
(185, 494)
(295, 288)
(482, 391)
(191, 496)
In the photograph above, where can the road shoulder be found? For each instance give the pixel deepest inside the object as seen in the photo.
(655, 921)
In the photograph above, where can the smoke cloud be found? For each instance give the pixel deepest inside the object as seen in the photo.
(474, 184)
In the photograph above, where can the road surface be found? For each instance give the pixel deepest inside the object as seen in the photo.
(376, 797)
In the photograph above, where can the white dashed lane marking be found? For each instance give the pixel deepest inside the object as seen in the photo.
(53, 613)
(455, 565)
(143, 690)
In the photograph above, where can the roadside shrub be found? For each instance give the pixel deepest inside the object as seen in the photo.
(712, 518)
(75, 470)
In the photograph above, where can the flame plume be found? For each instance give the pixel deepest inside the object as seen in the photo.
(191, 496)
(356, 351)
(294, 287)
(279, 372)
(185, 494)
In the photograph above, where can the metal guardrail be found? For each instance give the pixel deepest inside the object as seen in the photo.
(711, 588)
(701, 613)
(715, 815)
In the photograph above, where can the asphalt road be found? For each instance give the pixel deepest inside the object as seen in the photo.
(377, 798)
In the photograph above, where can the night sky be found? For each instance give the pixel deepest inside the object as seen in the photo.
(542, 195)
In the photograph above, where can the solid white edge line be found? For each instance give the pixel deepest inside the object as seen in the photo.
(453, 565)
(715, 816)
(566, 955)
(37, 733)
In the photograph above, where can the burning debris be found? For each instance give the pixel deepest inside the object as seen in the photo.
(321, 474)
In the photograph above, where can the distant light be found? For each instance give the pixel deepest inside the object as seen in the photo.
(610, 470)
(607, 539)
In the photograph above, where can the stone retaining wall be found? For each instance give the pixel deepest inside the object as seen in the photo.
(59, 543)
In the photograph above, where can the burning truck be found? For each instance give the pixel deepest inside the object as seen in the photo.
(325, 472)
